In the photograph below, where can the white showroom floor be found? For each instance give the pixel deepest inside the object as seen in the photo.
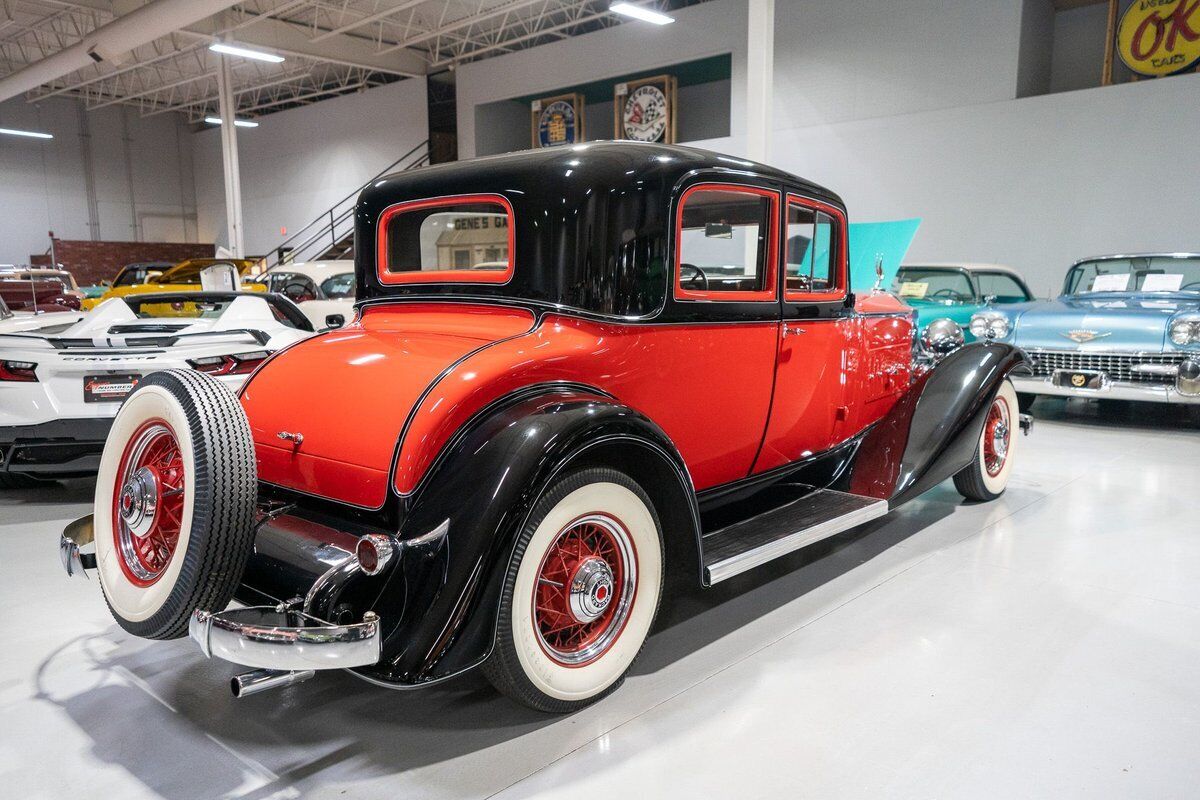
(1046, 645)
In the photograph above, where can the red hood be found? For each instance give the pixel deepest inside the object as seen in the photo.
(349, 392)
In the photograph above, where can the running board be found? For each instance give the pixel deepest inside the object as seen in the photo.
(744, 545)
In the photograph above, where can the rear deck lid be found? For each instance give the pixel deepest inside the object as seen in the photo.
(347, 393)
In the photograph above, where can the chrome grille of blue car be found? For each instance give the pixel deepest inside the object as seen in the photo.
(1118, 366)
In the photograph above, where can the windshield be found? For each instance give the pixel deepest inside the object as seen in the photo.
(1135, 274)
(934, 285)
(339, 286)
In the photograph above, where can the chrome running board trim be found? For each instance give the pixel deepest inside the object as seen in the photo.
(731, 551)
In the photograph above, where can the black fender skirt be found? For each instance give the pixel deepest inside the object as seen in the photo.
(444, 592)
(932, 432)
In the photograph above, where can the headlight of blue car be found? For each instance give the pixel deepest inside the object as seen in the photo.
(990, 325)
(1185, 330)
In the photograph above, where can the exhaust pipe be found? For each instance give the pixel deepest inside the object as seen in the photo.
(261, 680)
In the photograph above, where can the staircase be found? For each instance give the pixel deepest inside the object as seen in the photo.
(330, 237)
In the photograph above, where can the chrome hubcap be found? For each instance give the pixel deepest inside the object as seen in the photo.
(1000, 440)
(139, 501)
(591, 589)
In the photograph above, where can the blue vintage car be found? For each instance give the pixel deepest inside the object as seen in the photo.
(1126, 327)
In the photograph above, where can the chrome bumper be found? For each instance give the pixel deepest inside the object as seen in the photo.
(277, 638)
(1110, 390)
(76, 535)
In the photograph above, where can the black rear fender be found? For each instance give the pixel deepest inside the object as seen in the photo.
(445, 594)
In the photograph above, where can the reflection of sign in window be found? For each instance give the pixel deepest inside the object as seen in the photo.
(458, 238)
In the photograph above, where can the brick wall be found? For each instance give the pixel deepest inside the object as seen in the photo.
(92, 262)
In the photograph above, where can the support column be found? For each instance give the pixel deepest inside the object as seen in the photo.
(229, 156)
(760, 78)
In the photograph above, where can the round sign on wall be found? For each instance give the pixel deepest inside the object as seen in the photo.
(556, 125)
(645, 114)
(1160, 37)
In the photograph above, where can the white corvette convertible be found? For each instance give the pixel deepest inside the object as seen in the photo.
(61, 385)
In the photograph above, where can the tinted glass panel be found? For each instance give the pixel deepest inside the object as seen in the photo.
(723, 241)
(1001, 287)
(468, 237)
(945, 285)
(810, 253)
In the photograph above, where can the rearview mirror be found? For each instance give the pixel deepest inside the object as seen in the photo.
(718, 230)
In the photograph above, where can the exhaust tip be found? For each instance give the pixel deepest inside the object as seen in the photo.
(262, 680)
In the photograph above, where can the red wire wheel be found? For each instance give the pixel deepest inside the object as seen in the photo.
(997, 433)
(585, 590)
(148, 497)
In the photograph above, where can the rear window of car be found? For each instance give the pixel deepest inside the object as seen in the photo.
(466, 239)
(339, 286)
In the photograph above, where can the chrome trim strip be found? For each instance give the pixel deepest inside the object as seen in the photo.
(735, 565)
(244, 636)
(1112, 390)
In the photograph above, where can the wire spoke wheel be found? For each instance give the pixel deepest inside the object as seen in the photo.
(997, 435)
(585, 589)
(147, 509)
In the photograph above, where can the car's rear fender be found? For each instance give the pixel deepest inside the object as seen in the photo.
(481, 491)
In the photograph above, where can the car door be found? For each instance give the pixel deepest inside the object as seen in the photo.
(809, 405)
(714, 363)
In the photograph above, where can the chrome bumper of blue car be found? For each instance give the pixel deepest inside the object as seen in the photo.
(281, 638)
(1108, 390)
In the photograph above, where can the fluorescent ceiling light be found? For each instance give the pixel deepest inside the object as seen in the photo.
(237, 123)
(231, 50)
(644, 14)
(30, 134)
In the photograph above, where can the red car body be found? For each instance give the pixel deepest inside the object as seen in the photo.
(677, 319)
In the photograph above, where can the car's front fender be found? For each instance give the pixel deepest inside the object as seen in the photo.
(932, 432)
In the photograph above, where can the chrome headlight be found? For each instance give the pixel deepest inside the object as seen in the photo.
(942, 336)
(1185, 330)
(990, 325)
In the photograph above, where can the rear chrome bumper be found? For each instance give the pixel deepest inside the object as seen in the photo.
(1110, 390)
(277, 638)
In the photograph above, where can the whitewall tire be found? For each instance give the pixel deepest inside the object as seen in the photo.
(581, 593)
(986, 477)
(174, 504)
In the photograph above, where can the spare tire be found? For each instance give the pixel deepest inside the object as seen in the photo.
(175, 502)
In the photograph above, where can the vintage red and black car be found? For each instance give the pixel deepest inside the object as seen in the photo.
(572, 372)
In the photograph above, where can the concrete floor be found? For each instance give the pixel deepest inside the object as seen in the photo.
(1046, 645)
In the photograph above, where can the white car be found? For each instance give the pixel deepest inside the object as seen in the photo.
(61, 385)
(324, 290)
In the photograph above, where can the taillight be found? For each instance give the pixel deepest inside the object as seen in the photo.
(18, 371)
(240, 364)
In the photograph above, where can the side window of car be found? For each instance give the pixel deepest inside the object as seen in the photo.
(726, 243)
(1004, 288)
(813, 267)
(467, 239)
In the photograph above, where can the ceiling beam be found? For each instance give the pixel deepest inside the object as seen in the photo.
(288, 39)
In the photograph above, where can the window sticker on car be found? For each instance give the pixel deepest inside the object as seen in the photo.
(1162, 282)
(914, 289)
(1117, 282)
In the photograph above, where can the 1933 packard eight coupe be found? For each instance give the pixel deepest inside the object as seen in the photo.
(571, 372)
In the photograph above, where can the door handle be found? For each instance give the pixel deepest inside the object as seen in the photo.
(792, 330)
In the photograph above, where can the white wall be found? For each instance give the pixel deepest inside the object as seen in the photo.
(1036, 183)
(148, 195)
(708, 29)
(909, 108)
(298, 163)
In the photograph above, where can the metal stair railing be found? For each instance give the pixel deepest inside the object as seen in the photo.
(331, 235)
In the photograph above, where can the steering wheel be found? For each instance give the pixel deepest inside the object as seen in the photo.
(1186, 286)
(698, 276)
(297, 292)
(947, 293)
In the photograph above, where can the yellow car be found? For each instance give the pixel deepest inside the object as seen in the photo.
(183, 277)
